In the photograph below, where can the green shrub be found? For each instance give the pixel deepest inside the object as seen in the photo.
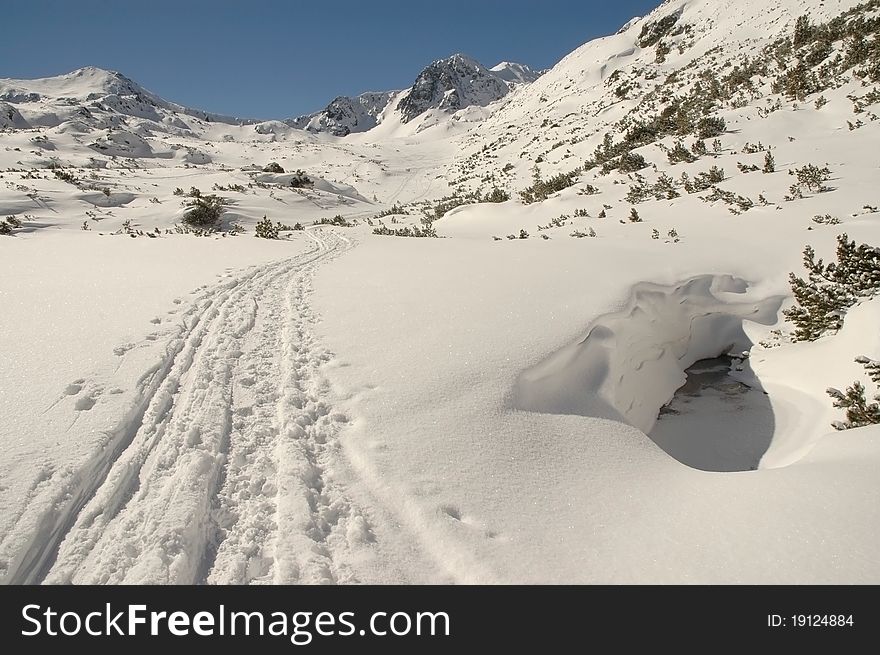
(300, 180)
(496, 195)
(204, 211)
(338, 221)
(859, 412)
(710, 127)
(266, 229)
(629, 162)
(543, 189)
(418, 232)
(812, 177)
(679, 153)
(822, 299)
(652, 32)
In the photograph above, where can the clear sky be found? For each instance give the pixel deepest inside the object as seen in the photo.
(281, 58)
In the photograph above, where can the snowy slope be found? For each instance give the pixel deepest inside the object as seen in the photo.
(515, 73)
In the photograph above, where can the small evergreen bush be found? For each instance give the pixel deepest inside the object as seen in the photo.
(822, 299)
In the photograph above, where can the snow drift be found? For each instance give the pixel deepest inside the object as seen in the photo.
(632, 361)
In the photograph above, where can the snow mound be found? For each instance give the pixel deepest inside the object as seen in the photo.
(318, 184)
(123, 143)
(796, 376)
(338, 189)
(100, 199)
(275, 129)
(632, 361)
(194, 155)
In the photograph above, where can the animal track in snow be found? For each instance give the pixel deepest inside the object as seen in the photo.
(233, 433)
(85, 402)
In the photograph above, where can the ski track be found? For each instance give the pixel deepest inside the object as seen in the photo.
(221, 470)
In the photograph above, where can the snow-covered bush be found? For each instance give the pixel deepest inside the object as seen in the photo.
(338, 220)
(496, 195)
(204, 210)
(711, 126)
(663, 189)
(859, 412)
(680, 153)
(266, 229)
(414, 231)
(830, 289)
(273, 167)
(654, 31)
(8, 225)
(812, 177)
(629, 162)
(301, 180)
(542, 189)
(63, 175)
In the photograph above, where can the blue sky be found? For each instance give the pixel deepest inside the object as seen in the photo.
(274, 59)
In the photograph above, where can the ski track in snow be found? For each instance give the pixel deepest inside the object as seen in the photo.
(218, 472)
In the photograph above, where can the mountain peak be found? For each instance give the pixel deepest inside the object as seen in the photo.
(451, 84)
(83, 84)
(90, 89)
(345, 115)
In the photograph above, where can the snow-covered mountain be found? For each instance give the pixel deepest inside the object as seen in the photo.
(451, 84)
(448, 85)
(345, 115)
(94, 98)
(514, 73)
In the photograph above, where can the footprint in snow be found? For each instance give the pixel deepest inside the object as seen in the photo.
(85, 403)
(454, 512)
(451, 511)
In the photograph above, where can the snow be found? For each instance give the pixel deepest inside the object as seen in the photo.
(556, 497)
(342, 407)
(513, 72)
(630, 363)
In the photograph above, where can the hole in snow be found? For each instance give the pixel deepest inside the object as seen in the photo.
(715, 422)
(632, 362)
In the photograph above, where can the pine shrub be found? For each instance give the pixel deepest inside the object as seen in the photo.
(859, 412)
(266, 229)
(204, 210)
(822, 299)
